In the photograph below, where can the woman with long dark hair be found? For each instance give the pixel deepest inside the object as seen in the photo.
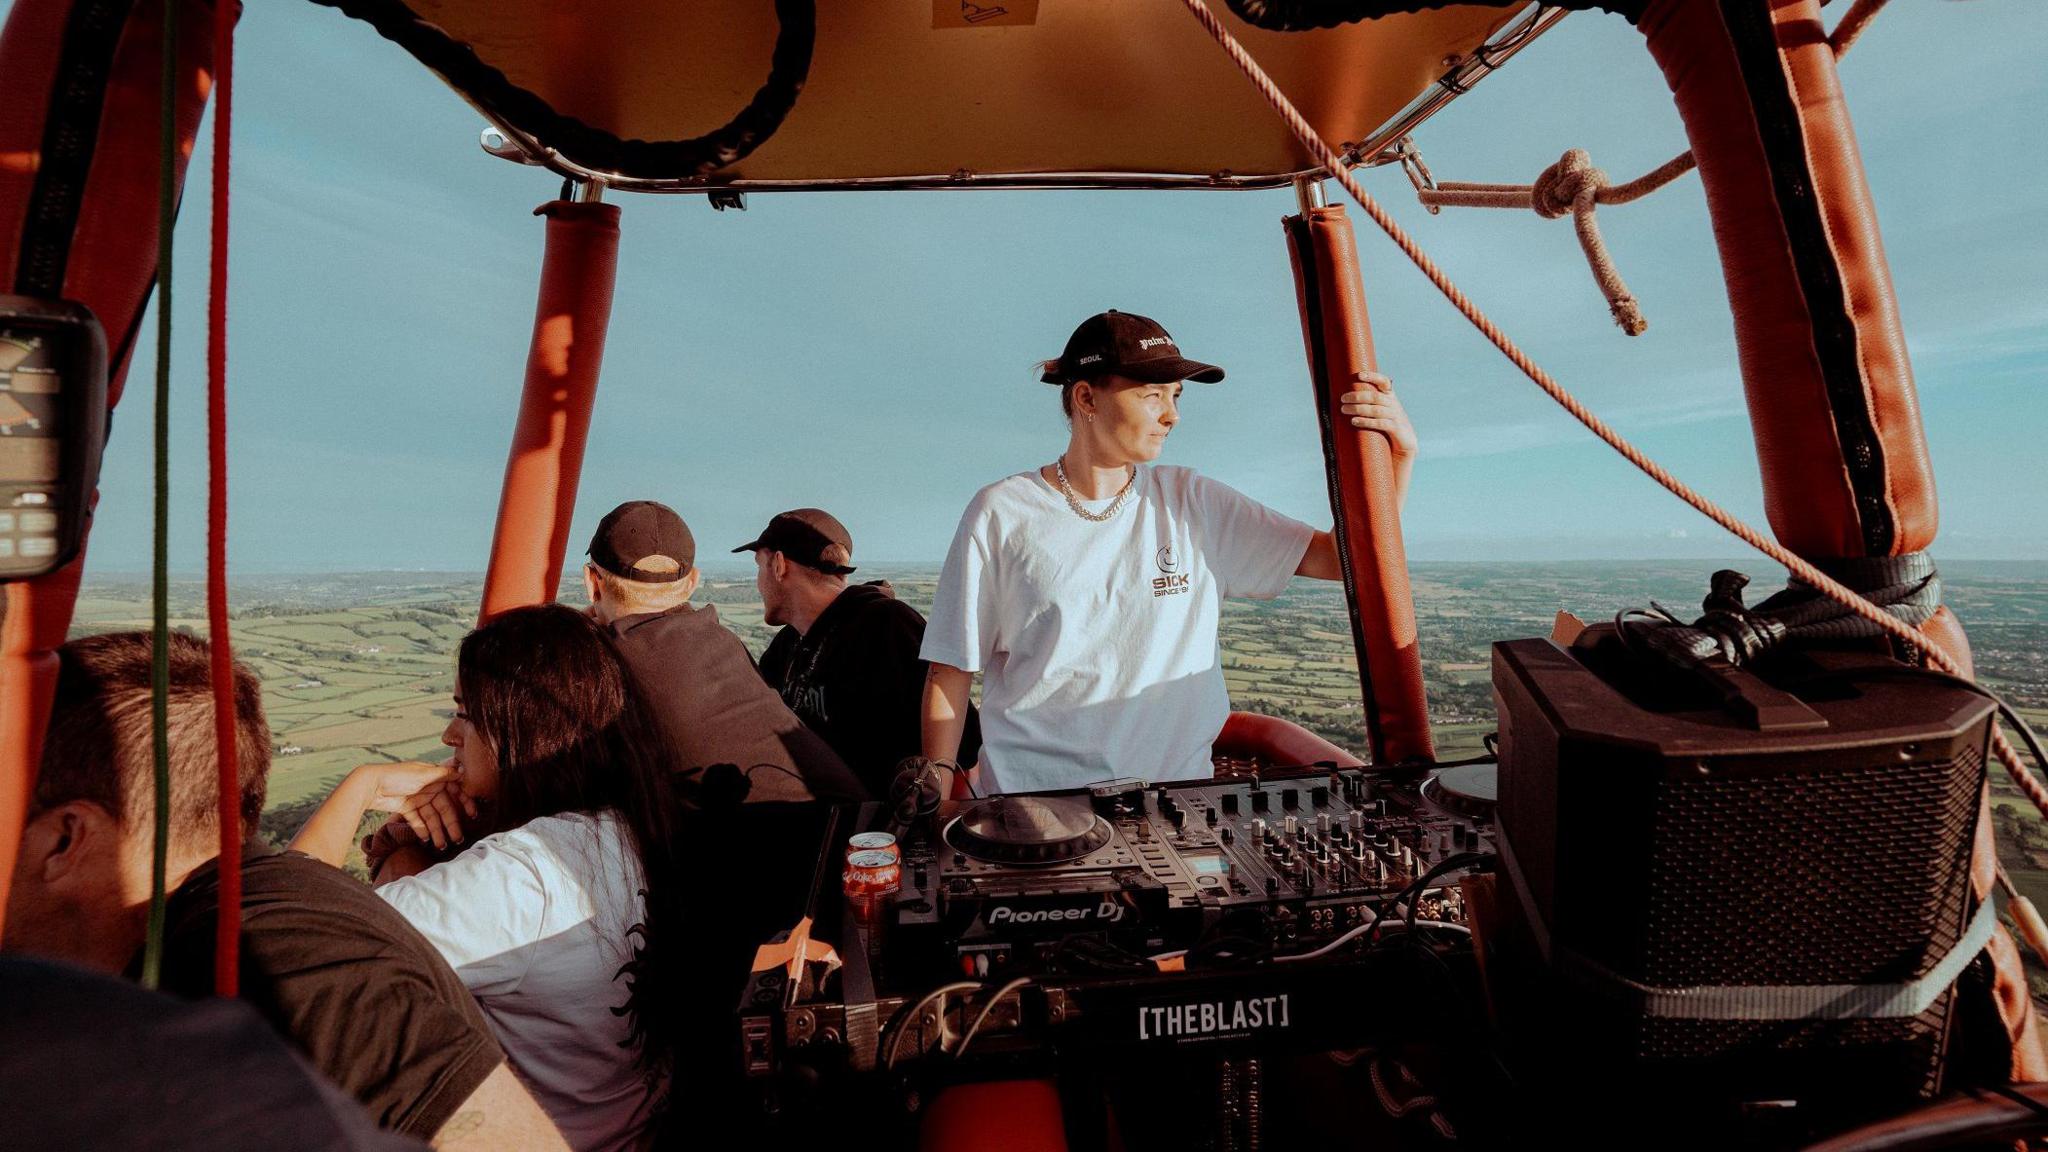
(562, 917)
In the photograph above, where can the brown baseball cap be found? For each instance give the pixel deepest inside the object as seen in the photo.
(803, 534)
(637, 531)
(1128, 345)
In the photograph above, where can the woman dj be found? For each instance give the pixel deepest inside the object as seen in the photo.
(1087, 592)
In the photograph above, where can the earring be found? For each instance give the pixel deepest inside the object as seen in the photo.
(1091, 417)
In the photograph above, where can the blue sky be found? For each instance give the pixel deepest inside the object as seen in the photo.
(870, 353)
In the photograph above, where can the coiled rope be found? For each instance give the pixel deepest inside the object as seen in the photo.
(1574, 186)
(1800, 568)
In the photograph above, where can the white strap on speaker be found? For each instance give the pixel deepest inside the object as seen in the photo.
(1759, 1001)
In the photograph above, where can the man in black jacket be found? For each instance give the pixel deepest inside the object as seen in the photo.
(846, 659)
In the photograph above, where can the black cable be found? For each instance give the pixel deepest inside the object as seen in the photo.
(785, 769)
(1422, 885)
(2019, 1098)
(914, 790)
(901, 1020)
(2005, 709)
(1413, 892)
(1228, 951)
(1100, 955)
(503, 99)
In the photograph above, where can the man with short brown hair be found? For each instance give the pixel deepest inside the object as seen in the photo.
(335, 971)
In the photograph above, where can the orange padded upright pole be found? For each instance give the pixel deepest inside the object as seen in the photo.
(34, 616)
(569, 325)
(1846, 473)
(1823, 356)
(1363, 502)
(79, 132)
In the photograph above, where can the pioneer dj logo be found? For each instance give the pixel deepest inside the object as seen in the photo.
(1170, 581)
(1107, 912)
(1208, 1019)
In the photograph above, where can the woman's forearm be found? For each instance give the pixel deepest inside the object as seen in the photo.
(407, 860)
(331, 831)
(944, 720)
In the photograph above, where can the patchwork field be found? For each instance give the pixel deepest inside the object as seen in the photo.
(360, 667)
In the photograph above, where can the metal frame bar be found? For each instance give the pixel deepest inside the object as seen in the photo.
(509, 143)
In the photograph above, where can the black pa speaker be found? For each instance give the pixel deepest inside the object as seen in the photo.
(1749, 885)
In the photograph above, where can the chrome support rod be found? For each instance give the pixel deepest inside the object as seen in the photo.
(1459, 79)
(1308, 192)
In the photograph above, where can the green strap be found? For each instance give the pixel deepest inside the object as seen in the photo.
(160, 651)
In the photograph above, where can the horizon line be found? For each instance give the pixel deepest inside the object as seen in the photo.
(200, 573)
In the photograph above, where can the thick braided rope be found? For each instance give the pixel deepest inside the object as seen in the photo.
(1853, 23)
(1573, 185)
(1797, 566)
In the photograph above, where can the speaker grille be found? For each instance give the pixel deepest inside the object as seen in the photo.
(1810, 877)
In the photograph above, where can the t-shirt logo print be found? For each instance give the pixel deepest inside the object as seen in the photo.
(1168, 582)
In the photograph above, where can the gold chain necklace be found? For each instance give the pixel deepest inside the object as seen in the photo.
(1059, 469)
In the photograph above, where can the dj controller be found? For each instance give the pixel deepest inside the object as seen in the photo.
(1731, 903)
(1223, 914)
(1286, 863)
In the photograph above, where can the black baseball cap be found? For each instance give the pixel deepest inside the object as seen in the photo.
(637, 531)
(1129, 345)
(803, 534)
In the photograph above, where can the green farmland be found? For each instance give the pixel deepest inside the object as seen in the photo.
(358, 668)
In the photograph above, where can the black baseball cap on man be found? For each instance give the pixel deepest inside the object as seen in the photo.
(637, 531)
(1127, 345)
(803, 534)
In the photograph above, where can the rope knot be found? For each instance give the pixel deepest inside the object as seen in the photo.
(1568, 186)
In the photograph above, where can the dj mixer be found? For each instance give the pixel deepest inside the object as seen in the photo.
(1223, 913)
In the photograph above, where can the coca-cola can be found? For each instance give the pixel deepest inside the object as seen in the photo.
(873, 842)
(870, 877)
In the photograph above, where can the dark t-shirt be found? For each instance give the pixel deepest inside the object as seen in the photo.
(855, 679)
(340, 974)
(89, 1061)
(712, 708)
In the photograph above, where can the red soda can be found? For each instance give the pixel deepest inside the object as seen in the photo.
(870, 877)
(873, 842)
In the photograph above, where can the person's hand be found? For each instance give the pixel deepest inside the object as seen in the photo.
(1378, 409)
(429, 797)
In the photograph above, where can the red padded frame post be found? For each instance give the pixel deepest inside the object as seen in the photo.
(108, 260)
(1277, 742)
(995, 1116)
(539, 497)
(1824, 364)
(1363, 501)
(1830, 389)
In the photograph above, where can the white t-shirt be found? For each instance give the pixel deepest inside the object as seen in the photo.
(1097, 641)
(534, 921)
